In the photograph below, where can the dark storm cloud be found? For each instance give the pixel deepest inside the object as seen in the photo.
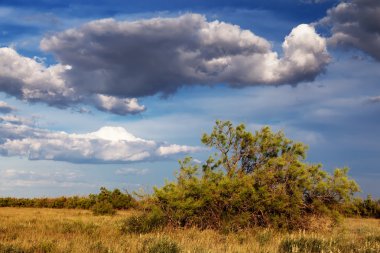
(356, 24)
(146, 57)
(30, 80)
(109, 64)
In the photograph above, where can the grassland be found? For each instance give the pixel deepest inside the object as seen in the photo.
(62, 230)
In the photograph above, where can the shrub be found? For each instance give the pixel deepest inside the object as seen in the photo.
(258, 179)
(98, 247)
(303, 244)
(144, 223)
(10, 248)
(103, 208)
(70, 227)
(161, 245)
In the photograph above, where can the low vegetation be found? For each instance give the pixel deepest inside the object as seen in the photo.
(73, 230)
(103, 203)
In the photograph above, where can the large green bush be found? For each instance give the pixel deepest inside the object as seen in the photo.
(254, 179)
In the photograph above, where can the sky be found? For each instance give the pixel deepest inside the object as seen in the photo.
(113, 93)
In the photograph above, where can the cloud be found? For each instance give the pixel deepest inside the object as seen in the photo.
(117, 105)
(10, 178)
(313, 1)
(16, 120)
(5, 108)
(373, 100)
(110, 64)
(159, 55)
(131, 171)
(355, 24)
(107, 145)
(30, 80)
(174, 149)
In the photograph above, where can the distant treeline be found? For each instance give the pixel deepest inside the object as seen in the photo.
(368, 208)
(115, 199)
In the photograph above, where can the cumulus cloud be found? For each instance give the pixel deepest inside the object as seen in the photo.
(30, 80)
(109, 64)
(174, 149)
(5, 108)
(107, 145)
(159, 55)
(117, 105)
(355, 24)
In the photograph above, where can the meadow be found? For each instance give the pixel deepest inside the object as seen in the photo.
(72, 230)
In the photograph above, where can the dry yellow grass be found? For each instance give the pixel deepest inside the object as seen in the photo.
(60, 230)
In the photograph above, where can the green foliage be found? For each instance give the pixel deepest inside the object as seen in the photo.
(70, 227)
(9, 248)
(258, 179)
(103, 208)
(303, 244)
(98, 247)
(367, 244)
(161, 245)
(364, 207)
(41, 247)
(116, 198)
(144, 223)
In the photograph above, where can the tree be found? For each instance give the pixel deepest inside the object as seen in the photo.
(254, 179)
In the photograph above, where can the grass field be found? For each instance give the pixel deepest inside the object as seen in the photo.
(60, 230)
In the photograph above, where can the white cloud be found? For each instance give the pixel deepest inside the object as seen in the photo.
(107, 145)
(30, 80)
(121, 106)
(174, 149)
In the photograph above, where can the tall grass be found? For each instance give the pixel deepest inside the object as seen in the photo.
(62, 230)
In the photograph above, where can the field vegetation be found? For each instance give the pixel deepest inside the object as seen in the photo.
(70, 230)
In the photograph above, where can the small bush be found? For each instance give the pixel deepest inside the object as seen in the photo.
(98, 247)
(10, 248)
(144, 223)
(161, 245)
(45, 247)
(77, 227)
(312, 245)
(103, 208)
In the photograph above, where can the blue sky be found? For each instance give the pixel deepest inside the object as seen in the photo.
(113, 93)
